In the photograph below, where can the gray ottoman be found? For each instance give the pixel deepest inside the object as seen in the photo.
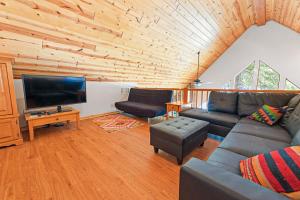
(178, 136)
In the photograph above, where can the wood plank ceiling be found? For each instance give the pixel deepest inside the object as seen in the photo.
(151, 42)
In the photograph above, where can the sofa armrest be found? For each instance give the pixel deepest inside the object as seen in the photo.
(201, 180)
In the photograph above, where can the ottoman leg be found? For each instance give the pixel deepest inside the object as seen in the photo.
(179, 161)
(156, 150)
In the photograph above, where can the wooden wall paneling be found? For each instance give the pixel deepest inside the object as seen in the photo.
(170, 23)
(290, 13)
(31, 48)
(93, 67)
(151, 42)
(285, 10)
(148, 22)
(242, 14)
(178, 11)
(108, 66)
(75, 8)
(221, 15)
(235, 21)
(204, 21)
(96, 70)
(44, 36)
(269, 9)
(61, 14)
(223, 29)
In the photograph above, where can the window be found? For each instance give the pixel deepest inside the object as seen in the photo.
(290, 85)
(244, 80)
(261, 76)
(268, 78)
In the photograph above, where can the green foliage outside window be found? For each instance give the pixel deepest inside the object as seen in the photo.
(244, 80)
(268, 78)
(290, 86)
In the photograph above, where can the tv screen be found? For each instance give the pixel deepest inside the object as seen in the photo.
(45, 91)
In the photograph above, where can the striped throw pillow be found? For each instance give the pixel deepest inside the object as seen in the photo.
(267, 114)
(277, 170)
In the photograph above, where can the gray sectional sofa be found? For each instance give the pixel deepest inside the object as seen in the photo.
(219, 177)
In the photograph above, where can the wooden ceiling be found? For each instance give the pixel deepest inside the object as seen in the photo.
(151, 42)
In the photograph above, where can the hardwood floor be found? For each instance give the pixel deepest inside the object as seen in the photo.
(66, 163)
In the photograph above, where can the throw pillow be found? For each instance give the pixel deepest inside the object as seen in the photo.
(277, 170)
(267, 114)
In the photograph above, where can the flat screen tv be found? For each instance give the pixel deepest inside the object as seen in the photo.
(46, 91)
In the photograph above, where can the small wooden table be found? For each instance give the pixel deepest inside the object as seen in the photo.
(174, 107)
(38, 120)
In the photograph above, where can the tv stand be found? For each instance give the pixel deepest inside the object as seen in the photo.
(52, 117)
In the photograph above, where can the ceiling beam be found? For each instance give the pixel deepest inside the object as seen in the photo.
(260, 12)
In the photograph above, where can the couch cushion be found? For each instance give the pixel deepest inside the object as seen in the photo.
(296, 139)
(219, 118)
(249, 145)
(246, 120)
(152, 97)
(248, 103)
(218, 130)
(290, 108)
(226, 160)
(140, 109)
(223, 102)
(250, 127)
(293, 122)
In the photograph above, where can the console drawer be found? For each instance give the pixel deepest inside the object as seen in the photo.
(55, 119)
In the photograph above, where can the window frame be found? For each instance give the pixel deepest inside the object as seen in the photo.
(298, 88)
(236, 75)
(258, 73)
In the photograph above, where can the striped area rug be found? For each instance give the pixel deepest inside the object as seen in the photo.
(117, 122)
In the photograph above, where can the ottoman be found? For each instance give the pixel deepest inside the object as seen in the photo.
(178, 136)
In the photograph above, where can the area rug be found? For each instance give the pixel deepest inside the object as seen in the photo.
(117, 122)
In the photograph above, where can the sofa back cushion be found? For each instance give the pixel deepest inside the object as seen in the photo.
(151, 97)
(296, 139)
(290, 108)
(248, 103)
(223, 102)
(293, 122)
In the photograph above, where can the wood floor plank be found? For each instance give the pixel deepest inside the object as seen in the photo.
(66, 163)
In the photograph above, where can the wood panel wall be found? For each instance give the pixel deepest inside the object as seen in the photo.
(151, 42)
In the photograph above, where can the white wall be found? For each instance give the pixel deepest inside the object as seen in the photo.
(276, 45)
(101, 97)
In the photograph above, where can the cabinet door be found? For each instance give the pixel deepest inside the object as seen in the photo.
(9, 129)
(5, 100)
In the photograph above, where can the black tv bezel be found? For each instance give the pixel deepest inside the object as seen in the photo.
(24, 91)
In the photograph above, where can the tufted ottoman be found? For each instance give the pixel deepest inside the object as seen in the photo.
(178, 136)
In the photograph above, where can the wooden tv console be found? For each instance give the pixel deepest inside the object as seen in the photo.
(72, 115)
